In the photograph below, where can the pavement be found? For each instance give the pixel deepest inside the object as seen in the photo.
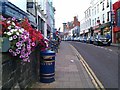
(115, 45)
(69, 72)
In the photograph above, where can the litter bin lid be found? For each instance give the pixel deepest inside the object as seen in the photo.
(47, 53)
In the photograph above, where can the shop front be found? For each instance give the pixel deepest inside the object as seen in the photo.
(116, 31)
(116, 28)
(96, 30)
(10, 10)
(105, 29)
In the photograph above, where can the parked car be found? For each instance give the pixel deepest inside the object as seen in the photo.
(76, 38)
(84, 39)
(102, 40)
(90, 40)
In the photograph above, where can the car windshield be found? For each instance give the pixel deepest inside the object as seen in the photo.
(101, 37)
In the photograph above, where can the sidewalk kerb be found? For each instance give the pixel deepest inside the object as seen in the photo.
(92, 75)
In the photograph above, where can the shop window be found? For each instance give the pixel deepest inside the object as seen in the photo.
(107, 3)
(107, 16)
(103, 6)
(98, 8)
(95, 21)
(118, 17)
(95, 10)
(103, 18)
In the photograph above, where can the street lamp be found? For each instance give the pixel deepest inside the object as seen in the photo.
(112, 20)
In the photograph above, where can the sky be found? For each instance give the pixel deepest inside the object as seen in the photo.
(67, 9)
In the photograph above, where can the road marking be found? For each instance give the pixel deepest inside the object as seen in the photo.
(101, 47)
(105, 48)
(92, 75)
(72, 61)
(110, 49)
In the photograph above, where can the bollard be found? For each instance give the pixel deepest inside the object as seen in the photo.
(47, 66)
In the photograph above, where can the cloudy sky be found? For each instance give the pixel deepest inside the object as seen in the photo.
(67, 9)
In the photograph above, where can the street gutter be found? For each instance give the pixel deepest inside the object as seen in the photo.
(96, 82)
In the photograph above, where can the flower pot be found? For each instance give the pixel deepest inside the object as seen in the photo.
(4, 44)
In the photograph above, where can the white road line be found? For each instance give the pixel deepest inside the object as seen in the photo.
(110, 50)
(105, 48)
(101, 47)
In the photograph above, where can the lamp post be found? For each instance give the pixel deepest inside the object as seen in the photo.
(112, 17)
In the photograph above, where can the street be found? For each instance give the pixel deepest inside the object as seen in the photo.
(103, 60)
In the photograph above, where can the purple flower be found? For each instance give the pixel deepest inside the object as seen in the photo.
(33, 44)
(19, 47)
(21, 56)
(15, 37)
(10, 50)
(17, 27)
(29, 52)
(28, 47)
(13, 18)
(26, 59)
(14, 54)
(26, 55)
(22, 36)
(17, 51)
(17, 44)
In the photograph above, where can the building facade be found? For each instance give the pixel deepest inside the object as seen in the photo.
(86, 23)
(50, 11)
(98, 19)
(39, 12)
(116, 26)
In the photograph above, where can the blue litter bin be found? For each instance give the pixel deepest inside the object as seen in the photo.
(47, 66)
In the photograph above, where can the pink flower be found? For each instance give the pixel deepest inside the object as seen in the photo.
(33, 44)
(10, 50)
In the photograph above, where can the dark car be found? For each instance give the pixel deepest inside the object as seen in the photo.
(102, 40)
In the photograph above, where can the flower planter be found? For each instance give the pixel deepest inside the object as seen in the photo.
(4, 44)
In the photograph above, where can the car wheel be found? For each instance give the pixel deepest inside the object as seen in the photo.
(108, 44)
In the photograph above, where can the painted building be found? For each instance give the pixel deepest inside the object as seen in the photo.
(76, 27)
(8, 9)
(39, 12)
(101, 16)
(97, 19)
(50, 11)
(71, 29)
(86, 23)
(116, 17)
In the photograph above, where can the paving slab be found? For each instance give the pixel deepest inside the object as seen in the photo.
(69, 72)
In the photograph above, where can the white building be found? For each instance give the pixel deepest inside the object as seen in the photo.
(85, 23)
(97, 18)
(39, 13)
(101, 16)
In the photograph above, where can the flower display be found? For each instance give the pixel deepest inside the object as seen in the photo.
(23, 38)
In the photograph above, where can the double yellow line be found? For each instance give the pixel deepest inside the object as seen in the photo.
(98, 85)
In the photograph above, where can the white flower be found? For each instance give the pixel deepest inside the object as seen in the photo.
(8, 33)
(9, 27)
(13, 23)
(15, 30)
(17, 33)
(8, 22)
(5, 32)
(10, 38)
(12, 30)
(22, 29)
